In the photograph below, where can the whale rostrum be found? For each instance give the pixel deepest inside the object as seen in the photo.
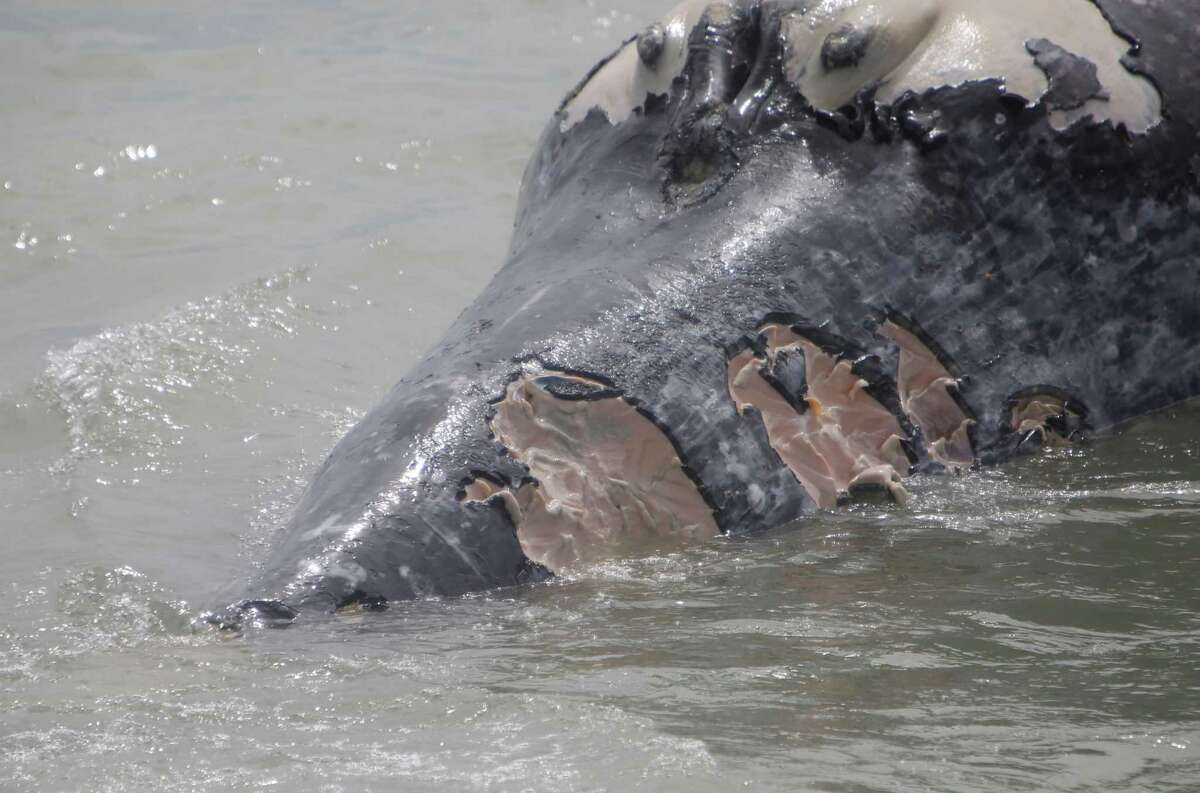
(771, 257)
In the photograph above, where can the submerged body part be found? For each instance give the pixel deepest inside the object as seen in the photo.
(772, 255)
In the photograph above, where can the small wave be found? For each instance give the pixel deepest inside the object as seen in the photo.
(118, 388)
(120, 607)
(90, 611)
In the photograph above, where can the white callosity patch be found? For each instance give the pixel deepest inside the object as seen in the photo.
(888, 34)
(606, 477)
(622, 85)
(916, 45)
(909, 45)
(844, 440)
(925, 388)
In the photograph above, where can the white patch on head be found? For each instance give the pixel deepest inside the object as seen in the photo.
(606, 477)
(916, 45)
(922, 44)
(622, 85)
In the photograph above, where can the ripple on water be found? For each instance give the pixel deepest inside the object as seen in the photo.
(118, 388)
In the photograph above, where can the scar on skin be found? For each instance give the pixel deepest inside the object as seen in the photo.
(603, 475)
(929, 395)
(837, 438)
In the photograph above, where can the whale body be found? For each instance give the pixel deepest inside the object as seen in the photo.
(773, 256)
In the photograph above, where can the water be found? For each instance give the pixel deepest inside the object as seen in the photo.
(248, 223)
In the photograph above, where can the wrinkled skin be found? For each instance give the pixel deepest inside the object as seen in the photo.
(645, 254)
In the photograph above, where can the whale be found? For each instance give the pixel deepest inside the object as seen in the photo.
(772, 257)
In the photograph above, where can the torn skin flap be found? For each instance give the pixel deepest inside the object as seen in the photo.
(1049, 413)
(845, 440)
(605, 477)
(926, 387)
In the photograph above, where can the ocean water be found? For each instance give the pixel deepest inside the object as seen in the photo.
(226, 231)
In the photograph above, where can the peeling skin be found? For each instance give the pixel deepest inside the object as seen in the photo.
(480, 489)
(842, 441)
(604, 476)
(921, 44)
(925, 386)
(1034, 414)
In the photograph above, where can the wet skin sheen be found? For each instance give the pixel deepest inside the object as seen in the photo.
(982, 237)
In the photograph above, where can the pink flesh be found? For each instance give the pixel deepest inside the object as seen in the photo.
(1033, 413)
(606, 476)
(846, 438)
(923, 384)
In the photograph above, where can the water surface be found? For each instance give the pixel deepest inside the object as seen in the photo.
(225, 233)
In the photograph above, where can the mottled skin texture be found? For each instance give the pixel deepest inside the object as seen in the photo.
(1033, 257)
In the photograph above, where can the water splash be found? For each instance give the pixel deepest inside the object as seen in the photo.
(119, 388)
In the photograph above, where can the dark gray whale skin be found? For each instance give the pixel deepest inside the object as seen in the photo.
(1034, 257)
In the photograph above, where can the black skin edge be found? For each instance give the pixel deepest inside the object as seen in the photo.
(795, 400)
(574, 92)
(1073, 79)
(1069, 401)
(743, 343)
(880, 386)
(271, 613)
(869, 492)
(618, 393)
(883, 125)
(853, 120)
(1071, 424)
(830, 343)
(528, 571)
(1130, 59)
(688, 470)
(785, 368)
(574, 390)
(889, 314)
(474, 476)
(849, 121)
(788, 318)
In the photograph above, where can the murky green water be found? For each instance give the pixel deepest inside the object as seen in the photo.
(249, 221)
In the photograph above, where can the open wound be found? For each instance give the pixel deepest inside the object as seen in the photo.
(1045, 416)
(837, 438)
(602, 475)
(929, 394)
